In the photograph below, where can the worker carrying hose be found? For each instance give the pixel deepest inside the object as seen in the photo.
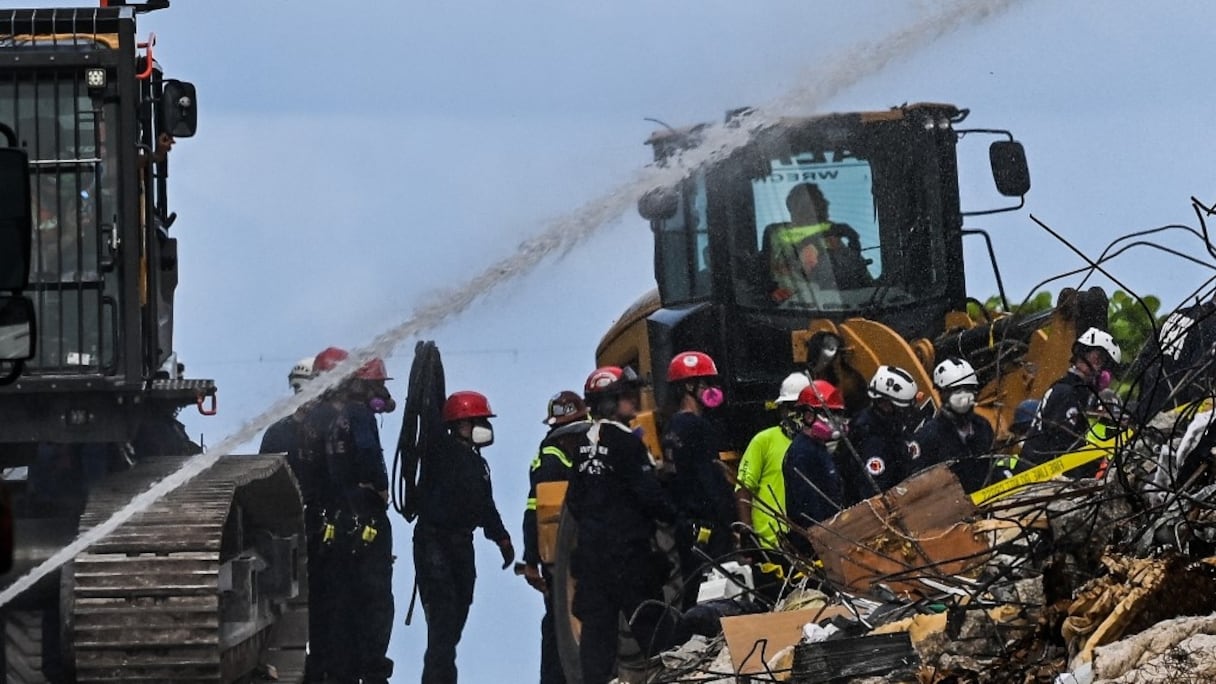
(350, 554)
(455, 497)
(616, 499)
(568, 425)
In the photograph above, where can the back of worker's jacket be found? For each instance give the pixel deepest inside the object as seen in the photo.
(614, 494)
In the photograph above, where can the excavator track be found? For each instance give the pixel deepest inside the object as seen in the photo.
(206, 585)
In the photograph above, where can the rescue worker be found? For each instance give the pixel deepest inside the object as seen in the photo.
(283, 436)
(760, 493)
(812, 483)
(568, 424)
(616, 500)
(699, 488)
(1011, 444)
(811, 249)
(345, 485)
(879, 452)
(956, 433)
(455, 497)
(1061, 422)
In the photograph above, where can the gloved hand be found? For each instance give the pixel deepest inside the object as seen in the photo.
(535, 579)
(507, 551)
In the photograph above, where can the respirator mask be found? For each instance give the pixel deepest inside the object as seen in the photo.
(382, 404)
(1103, 380)
(483, 434)
(711, 397)
(961, 401)
(827, 428)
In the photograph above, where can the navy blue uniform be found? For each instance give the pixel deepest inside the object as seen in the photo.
(965, 439)
(455, 497)
(701, 494)
(883, 455)
(807, 503)
(283, 437)
(1060, 424)
(323, 595)
(552, 464)
(349, 578)
(364, 577)
(616, 500)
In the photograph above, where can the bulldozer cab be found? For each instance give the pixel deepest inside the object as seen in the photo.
(826, 218)
(89, 106)
(837, 216)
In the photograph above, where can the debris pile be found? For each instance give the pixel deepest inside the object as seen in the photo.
(1040, 576)
(1062, 581)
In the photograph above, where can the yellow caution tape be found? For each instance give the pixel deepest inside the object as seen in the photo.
(1094, 450)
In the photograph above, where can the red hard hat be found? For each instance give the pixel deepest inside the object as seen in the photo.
(466, 405)
(691, 364)
(610, 380)
(372, 370)
(329, 359)
(565, 407)
(821, 394)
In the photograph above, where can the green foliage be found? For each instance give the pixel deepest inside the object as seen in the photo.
(1131, 322)
(1040, 302)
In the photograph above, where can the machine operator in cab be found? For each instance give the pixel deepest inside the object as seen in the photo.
(616, 499)
(812, 250)
(455, 497)
(568, 425)
(699, 488)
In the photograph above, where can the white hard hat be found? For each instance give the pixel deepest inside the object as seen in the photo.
(792, 386)
(301, 373)
(1095, 337)
(954, 373)
(893, 383)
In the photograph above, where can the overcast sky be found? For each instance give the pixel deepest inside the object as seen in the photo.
(355, 158)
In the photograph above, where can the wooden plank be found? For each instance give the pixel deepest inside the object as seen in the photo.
(916, 529)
